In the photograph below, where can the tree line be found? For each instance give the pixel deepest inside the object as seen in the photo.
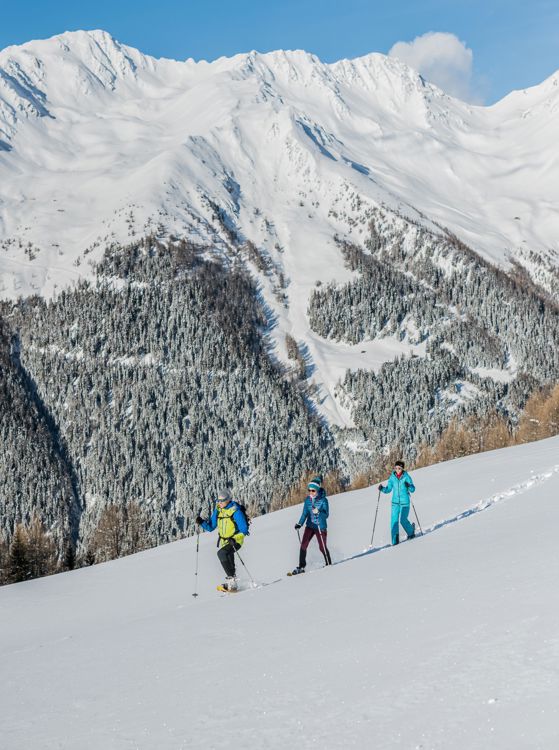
(127, 400)
(150, 386)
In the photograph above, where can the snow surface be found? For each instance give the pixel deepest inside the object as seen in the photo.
(449, 641)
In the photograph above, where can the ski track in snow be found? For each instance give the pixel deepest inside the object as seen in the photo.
(482, 505)
(498, 497)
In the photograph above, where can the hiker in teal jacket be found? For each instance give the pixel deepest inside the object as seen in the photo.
(314, 515)
(400, 485)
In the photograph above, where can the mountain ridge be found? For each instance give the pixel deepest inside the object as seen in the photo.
(345, 104)
(279, 150)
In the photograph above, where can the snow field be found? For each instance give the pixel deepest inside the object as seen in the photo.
(448, 641)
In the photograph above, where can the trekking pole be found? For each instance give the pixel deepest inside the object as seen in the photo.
(416, 518)
(324, 547)
(197, 556)
(375, 523)
(254, 584)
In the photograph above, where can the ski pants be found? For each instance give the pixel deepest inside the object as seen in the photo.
(321, 538)
(400, 516)
(226, 556)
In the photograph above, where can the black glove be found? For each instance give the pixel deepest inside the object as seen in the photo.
(407, 484)
(297, 526)
(199, 520)
(381, 486)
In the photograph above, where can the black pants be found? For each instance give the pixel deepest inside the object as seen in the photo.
(226, 556)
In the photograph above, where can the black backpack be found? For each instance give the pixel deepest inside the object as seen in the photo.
(244, 511)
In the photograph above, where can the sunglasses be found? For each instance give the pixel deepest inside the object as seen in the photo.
(312, 492)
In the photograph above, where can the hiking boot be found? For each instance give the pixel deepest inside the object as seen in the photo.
(411, 536)
(231, 583)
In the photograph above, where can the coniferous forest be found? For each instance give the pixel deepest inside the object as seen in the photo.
(151, 387)
(127, 400)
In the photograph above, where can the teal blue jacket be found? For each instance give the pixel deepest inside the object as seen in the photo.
(400, 488)
(315, 520)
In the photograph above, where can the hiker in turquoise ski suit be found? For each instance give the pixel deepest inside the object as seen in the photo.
(314, 515)
(400, 485)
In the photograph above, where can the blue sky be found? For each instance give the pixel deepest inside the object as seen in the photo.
(513, 44)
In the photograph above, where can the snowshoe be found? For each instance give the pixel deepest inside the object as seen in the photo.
(229, 587)
(225, 589)
(296, 571)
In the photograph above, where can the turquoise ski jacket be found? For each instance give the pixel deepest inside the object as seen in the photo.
(312, 519)
(400, 488)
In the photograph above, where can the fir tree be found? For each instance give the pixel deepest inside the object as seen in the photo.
(18, 568)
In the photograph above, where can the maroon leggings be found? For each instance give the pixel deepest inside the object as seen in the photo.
(322, 537)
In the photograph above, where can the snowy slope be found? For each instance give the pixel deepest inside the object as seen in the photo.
(449, 641)
(98, 140)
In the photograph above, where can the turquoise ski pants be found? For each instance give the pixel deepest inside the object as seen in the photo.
(400, 516)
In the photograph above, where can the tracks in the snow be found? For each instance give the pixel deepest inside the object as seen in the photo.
(498, 497)
(517, 489)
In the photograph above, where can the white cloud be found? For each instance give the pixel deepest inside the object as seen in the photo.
(443, 59)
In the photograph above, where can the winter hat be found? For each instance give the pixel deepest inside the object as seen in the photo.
(224, 494)
(317, 479)
(399, 463)
(314, 485)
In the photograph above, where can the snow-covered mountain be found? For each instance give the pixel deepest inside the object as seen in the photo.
(273, 247)
(106, 132)
(448, 641)
(99, 141)
(101, 144)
